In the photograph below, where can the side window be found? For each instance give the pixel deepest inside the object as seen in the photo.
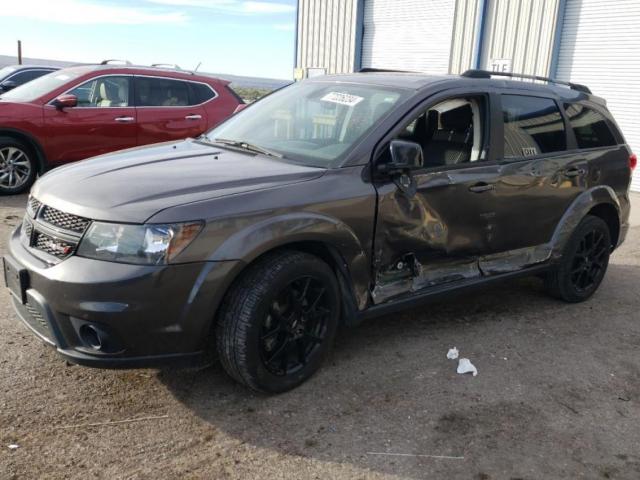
(27, 76)
(450, 133)
(161, 92)
(532, 126)
(590, 127)
(200, 93)
(103, 92)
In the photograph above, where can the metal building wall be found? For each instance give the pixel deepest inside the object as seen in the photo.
(466, 28)
(327, 35)
(523, 31)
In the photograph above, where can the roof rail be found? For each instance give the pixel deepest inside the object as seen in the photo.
(382, 70)
(115, 60)
(166, 65)
(489, 74)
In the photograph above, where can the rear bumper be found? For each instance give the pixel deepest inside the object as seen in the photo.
(113, 315)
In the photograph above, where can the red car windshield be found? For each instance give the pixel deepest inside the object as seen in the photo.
(35, 89)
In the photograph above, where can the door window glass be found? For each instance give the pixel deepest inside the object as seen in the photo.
(532, 126)
(27, 76)
(589, 126)
(103, 92)
(161, 92)
(450, 133)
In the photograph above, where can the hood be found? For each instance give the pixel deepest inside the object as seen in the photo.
(134, 184)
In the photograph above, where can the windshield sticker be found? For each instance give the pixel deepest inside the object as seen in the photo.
(342, 99)
(529, 151)
(62, 76)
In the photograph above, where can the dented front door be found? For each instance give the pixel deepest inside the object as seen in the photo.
(436, 234)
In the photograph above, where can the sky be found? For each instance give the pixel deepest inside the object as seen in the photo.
(240, 37)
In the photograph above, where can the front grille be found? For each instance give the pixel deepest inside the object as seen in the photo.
(32, 206)
(53, 246)
(63, 220)
(27, 228)
(37, 316)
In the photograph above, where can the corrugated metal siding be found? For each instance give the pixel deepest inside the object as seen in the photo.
(523, 31)
(465, 35)
(600, 47)
(408, 35)
(326, 34)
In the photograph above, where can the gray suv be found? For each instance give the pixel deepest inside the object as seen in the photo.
(328, 202)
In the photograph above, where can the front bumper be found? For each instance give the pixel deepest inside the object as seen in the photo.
(106, 314)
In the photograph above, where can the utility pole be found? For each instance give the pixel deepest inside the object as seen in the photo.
(19, 52)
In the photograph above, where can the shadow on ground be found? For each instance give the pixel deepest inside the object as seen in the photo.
(549, 374)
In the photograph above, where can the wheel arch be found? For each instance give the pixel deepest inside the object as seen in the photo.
(327, 238)
(31, 141)
(600, 201)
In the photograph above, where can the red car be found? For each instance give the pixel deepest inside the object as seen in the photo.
(80, 112)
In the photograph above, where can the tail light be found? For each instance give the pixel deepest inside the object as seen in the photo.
(633, 161)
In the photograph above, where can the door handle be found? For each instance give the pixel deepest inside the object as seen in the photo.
(574, 172)
(124, 119)
(481, 187)
(193, 117)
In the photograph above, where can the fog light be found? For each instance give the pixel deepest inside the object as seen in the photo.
(91, 337)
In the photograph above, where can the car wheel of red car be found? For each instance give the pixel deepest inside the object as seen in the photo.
(18, 166)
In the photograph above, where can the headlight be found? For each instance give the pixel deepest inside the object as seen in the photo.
(151, 244)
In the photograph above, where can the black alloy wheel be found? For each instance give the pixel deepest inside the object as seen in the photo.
(584, 262)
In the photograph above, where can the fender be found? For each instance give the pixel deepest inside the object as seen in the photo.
(270, 233)
(580, 207)
(42, 160)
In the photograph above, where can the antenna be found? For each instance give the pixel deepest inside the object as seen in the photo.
(197, 67)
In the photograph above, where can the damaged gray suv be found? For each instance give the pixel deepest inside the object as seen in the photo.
(328, 202)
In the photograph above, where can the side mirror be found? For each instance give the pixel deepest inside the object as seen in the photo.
(7, 85)
(405, 156)
(65, 101)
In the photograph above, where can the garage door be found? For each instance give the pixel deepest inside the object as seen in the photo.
(410, 35)
(600, 47)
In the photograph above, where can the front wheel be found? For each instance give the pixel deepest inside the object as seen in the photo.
(277, 322)
(18, 166)
(584, 262)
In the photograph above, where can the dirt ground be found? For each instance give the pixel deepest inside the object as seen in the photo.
(557, 396)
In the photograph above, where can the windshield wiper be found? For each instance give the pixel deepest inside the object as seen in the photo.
(247, 146)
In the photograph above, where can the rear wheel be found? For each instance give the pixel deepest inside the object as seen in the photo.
(584, 262)
(278, 321)
(18, 166)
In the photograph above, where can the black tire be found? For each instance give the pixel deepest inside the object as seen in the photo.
(19, 176)
(584, 262)
(267, 313)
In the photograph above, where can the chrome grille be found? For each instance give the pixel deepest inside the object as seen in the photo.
(53, 246)
(27, 227)
(32, 206)
(64, 220)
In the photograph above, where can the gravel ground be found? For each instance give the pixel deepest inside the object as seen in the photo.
(557, 396)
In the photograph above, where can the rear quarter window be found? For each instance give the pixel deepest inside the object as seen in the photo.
(589, 126)
(201, 93)
(532, 126)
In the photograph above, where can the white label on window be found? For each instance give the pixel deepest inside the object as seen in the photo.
(342, 99)
(529, 151)
(62, 76)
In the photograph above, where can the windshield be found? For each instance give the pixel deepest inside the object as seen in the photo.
(6, 71)
(310, 122)
(34, 89)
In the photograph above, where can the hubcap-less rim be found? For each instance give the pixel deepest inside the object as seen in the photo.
(15, 167)
(590, 261)
(295, 326)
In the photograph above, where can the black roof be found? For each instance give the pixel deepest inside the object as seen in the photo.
(419, 81)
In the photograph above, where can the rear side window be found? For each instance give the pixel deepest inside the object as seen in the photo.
(201, 93)
(28, 75)
(532, 126)
(590, 127)
(161, 92)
